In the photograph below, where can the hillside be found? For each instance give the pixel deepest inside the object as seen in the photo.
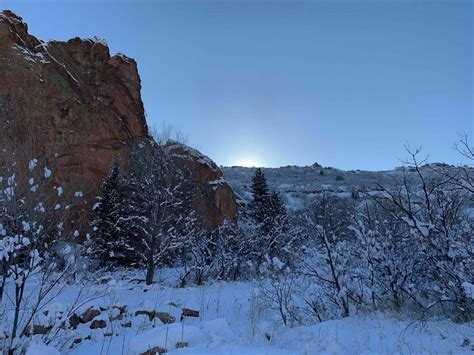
(300, 183)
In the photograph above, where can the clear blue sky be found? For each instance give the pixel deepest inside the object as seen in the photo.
(343, 83)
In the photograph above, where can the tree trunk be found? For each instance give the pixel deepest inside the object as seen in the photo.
(150, 273)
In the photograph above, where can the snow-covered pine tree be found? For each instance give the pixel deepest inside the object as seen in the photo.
(108, 243)
(272, 238)
(260, 205)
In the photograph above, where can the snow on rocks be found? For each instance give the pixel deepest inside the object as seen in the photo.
(231, 319)
(167, 338)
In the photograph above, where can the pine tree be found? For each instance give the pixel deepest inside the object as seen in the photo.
(277, 207)
(260, 206)
(107, 243)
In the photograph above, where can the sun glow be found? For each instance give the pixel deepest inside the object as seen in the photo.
(247, 162)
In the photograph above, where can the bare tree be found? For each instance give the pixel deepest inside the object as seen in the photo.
(31, 218)
(331, 245)
(433, 211)
(160, 217)
(167, 132)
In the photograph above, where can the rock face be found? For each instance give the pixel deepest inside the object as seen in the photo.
(213, 196)
(78, 107)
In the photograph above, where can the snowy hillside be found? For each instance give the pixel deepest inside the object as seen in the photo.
(298, 183)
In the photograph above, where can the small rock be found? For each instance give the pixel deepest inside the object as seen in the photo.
(98, 323)
(127, 325)
(154, 351)
(89, 315)
(187, 312)
(41, 329)
(164, 317)
(181, 344)
(75, 342)
(74, 321)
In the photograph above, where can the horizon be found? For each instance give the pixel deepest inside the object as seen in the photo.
(344, 84)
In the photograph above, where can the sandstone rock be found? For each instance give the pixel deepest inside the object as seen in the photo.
(190, 313)
(165, 318)
(69, 102)
(98, 323)
(214, 199)
(77, 107)
(154, 351)
(74, 321)
(41, 329)
(89, 315)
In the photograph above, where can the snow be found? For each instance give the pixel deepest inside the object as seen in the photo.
(32, 164)
(47, 172)
(469, 288)
(167, 337)
(183, 151)
(297, 184)
(233, 320)
(41, 349)
(59, 190)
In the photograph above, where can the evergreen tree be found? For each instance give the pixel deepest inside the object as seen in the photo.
(260, 206)
(108, 244)
(277, 207)
(273, 240)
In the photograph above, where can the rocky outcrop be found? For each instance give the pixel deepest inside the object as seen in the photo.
(78, 107)
(214, 198)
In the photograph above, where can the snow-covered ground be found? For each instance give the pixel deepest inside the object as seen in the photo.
(232, 320)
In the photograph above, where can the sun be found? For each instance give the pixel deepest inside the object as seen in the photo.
(247, 162)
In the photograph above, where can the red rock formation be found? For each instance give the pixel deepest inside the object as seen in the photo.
(213, 195)
(73, 103)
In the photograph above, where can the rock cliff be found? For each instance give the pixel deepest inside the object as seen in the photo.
(75, 104)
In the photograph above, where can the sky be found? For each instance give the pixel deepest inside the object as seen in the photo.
(344, 83)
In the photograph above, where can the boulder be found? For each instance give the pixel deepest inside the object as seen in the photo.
(89, 315)
(41, 329)
(190, 313)
(214, 199)
(98, 324)
(165, 318)
(74, 321)
(154, 351)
